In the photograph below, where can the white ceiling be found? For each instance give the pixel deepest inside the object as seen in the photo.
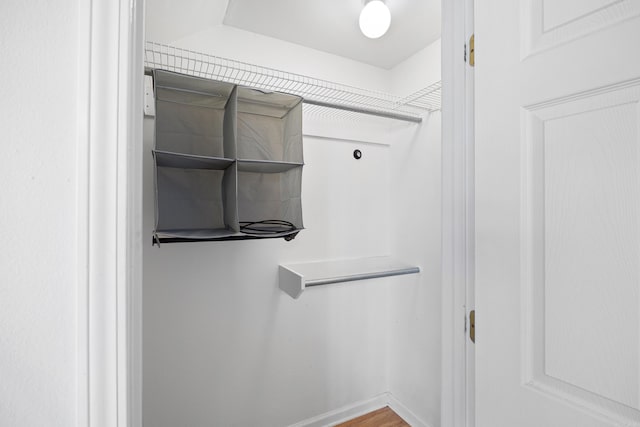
(327, 25)
(332, 26)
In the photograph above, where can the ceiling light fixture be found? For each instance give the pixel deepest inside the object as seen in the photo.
(375, 19)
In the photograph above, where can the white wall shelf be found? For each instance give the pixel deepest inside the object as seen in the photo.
(295, 278)
(318, 94)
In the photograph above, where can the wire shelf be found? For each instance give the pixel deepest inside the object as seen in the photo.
(317, 94)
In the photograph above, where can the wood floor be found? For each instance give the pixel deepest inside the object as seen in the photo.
(384, 417)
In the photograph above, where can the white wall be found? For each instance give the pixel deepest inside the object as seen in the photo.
(38, 46)
(233, 43)
(419, 70)
(223, 344)
(415, 309)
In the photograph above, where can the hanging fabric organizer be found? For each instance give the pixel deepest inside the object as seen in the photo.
(228, 161)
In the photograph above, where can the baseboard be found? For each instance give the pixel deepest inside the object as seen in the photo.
(404, 412)
(354, 410)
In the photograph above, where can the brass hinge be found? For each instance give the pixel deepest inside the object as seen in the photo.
(472, 51)
(472, 325)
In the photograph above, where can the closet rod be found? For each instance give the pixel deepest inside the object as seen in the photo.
(363, 276)
(362, 110)
(295, 278)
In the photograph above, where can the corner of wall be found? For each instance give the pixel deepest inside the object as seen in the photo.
(405, 413)
(418, 71)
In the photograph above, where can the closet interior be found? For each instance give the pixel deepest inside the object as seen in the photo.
(237, 330)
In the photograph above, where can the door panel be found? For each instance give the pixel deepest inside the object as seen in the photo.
(580, 256)
(557, 213)
(548, 23)
(558, 13)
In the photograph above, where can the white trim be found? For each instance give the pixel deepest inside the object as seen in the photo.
(373, 133)
(109, 211)
(456, 228)
(327, 137)
(345, 413)
(469, 209)
(404, 412)
(102, 219)
(82, 212)
(363, 407)
(130, 235)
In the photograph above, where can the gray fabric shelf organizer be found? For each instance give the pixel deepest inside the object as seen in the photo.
(228, 161)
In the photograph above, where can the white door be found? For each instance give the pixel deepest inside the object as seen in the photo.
(557, 213)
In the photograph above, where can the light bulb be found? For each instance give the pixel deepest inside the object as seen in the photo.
(375, 19)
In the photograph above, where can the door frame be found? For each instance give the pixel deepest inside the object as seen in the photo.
(109, 213)
(458, 361)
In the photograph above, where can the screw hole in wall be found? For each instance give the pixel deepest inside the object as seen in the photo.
(357, 154)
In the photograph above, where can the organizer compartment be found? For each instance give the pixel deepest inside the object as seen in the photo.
(269, 126)
(196, 203)
(194, 116)
(269, 193)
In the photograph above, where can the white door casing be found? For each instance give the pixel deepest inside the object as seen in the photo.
(457, 201)
(109, 220)
(557, 213)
